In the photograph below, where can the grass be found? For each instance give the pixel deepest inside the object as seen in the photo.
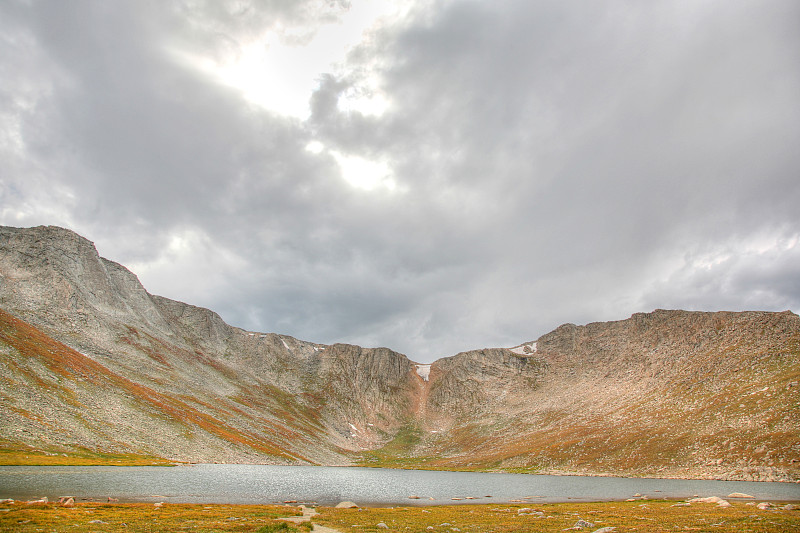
(398, 452)
(18, 456)
(142, 517)
(641, 516)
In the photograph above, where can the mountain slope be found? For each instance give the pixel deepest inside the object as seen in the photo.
(240, 395)
(92, 361)
(670, 393)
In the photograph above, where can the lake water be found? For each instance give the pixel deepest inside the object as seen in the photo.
(260, 484)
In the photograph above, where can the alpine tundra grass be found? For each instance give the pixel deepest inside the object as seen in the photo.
(641, 516)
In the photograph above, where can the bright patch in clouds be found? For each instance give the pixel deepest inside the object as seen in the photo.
(281, 76)
(364, 174)
(359, 172)
(315, 147)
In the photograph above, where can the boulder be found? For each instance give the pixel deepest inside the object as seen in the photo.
(346, 505)
(66, 501)
(739, 495)
(711, 499)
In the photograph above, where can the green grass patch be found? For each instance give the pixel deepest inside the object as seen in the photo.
(18, 455)
(398, 452)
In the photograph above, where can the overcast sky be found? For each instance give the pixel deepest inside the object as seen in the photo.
(431, 176)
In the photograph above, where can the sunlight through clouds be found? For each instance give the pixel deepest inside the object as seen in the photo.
(364, 174)
(278, 74)
(360, 173)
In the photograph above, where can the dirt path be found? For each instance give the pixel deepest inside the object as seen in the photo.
(308, 514)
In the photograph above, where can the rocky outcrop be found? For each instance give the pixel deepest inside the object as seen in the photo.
(658, 341)
(366, 392)
(476, 380)
(91, 360)
(56, 278)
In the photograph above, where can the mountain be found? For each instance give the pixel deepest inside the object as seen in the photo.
(94, 364)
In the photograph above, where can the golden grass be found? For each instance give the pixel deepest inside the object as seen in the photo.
(641, 516)
(139, 517)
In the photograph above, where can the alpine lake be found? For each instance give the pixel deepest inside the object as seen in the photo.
(368, 487)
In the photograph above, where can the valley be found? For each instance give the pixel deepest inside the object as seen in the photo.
(97, 369)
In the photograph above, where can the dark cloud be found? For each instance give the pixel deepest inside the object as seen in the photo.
(553, 163)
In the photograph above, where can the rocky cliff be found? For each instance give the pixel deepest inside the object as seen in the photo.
(91, 362)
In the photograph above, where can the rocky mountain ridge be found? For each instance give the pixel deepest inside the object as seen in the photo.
(92, 361)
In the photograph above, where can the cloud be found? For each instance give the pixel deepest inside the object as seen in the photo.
(590, 141)
(465, 176)
(737, 274)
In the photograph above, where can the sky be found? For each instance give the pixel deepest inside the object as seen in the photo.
(431, 176)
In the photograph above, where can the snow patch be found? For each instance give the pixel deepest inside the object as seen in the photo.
(284, 343)
(423, 371)
(525, 349)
